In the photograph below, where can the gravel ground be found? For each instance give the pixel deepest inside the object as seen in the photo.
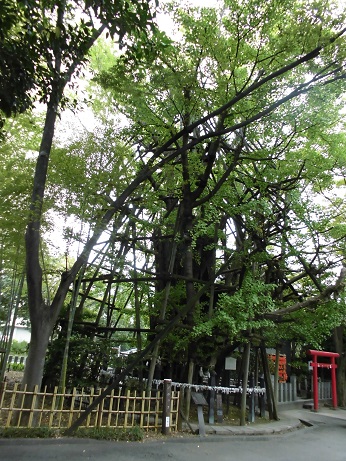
(13, 376)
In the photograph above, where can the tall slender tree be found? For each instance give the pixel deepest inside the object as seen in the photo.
(57, 46)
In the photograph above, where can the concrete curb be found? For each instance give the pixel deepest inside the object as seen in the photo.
(292, 417)
(266, 428)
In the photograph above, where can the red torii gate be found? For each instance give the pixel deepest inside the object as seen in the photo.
(332, 366)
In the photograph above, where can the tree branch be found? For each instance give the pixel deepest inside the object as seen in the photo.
(324, 295)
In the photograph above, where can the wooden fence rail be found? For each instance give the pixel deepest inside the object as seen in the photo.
(122, 408)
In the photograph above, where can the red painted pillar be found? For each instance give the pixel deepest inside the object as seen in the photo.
(315, 381)
(334, 394)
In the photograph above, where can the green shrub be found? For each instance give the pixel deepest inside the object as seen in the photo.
(17, 366)
(19, 347)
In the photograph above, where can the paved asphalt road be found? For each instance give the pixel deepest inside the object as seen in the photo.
(324, 441)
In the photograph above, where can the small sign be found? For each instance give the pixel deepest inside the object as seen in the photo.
(167, 421)
(230, 363)
(198, 398)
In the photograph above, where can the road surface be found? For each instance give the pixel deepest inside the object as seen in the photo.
(324, 441)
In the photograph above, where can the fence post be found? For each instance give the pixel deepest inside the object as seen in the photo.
(219, 410)
(180, 406)
(212, 398)
(262, 399)
(284, 391)
(251, 414)
(293, 380)
(2, 389)
(166, 410)
(280, 393)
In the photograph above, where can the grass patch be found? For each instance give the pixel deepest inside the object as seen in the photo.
(133, 434)
(28, 433)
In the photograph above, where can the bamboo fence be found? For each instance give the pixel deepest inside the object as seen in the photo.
(121, 409)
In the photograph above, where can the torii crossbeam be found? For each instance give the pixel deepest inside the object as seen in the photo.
(332, 366)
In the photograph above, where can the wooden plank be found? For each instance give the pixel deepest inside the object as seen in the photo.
(2, 393)
(134, 401)
(72, 404)
(32, 406)
(99, 410)
(173, 410)
(23, 394)
(41, 407)
(110, 408)
(19, 395)
(51, 415)
(127, 403)
(11, 406)
(157, 409)
(91, 399)
(141, 421)
(60, 406)
(117, 411)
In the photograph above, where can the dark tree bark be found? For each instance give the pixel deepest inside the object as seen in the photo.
(340, 348)
(41, 318)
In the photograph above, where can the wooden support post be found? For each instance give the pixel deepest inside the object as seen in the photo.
(212, 398)
(246, 361)
(251, 416)
(188, 390)
(293, 380)
(219, 410)
(276, 376)
(180, 416)
(262, 399)
(272, 409)
(166, 410)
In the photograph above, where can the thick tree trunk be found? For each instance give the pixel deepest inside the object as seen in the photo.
(40, 317)
(40, 334)
(339, 344)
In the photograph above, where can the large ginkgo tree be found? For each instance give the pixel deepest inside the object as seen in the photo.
(230, 122)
